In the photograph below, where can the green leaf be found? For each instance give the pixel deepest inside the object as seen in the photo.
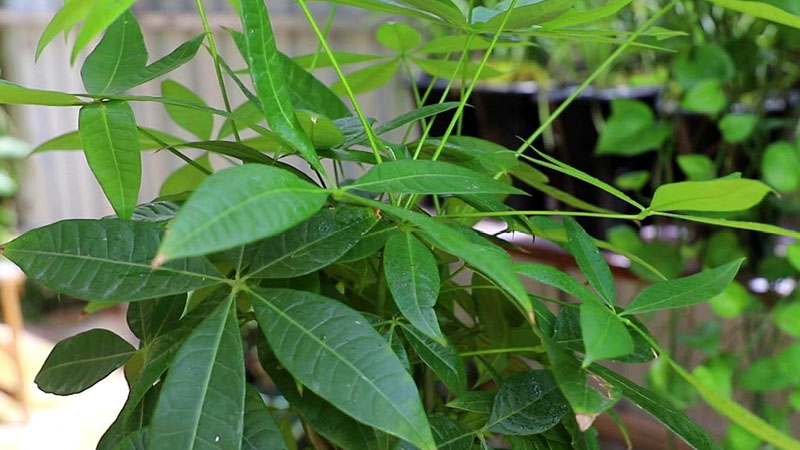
(703, 63)
(455, 44)
(149, 320)
(721, 195)
(202, 399)
(451, 69)
(706, 97)
(604, 334)
(238, 206)
(388, 6)
(78, 363)
(632, 181)
(451, 435)
(415, 115)
(187, 178)
(324, 134)
(575, 17)
(526, 14)
(474, 401)
(307, 92)
(567, 333)
(13, 94)
(429, 177)
(686, 291)
(445, 9)
(527, 403)
(102, 14)
(260, 429)
(773, 374)
(742, 225)
(737, 127)
(573, 381)
(199, 123)
(370, 243)
(67, 17)
(72, 141)
(412, 276)
(780, 166)
(661, 409)
(631, 130)
(369, 78)
(590, 261)
(177, 58)
(323, 417)
(156, 212)
(269, 74)
(697, 167)
(443, 359)
(120, 53)
(761, 10)
(310, 246)
(111, 143)
(465, 244)
(106, 260)
(336, 353)
(398, 36)
(793, 255)
(732, 301)
(553, 277)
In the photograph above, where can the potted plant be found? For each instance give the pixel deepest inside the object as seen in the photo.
(347, 290)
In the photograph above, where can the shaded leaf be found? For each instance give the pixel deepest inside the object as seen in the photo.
(149, 320)
(674, 419)
(106, 260)
(590, 261)
(412, 276)
(312, 335)
(444, 360)
(199, 123)
(474, 401)
(78, 363)
(604, 334)
(369, 78)
(260, 429)
(527, 403)
(310, 246)
(202, 399)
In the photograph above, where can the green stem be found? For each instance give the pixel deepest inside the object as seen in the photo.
(212, 45)
(328, 26)
(589, 80)
(373, 140)
(543, 213)
(495, 351)
(463, 102)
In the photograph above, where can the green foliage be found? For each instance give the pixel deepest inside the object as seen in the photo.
(352, 292)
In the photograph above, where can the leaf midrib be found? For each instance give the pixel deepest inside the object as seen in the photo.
(224, 214)
(117, 262)
(322, 344)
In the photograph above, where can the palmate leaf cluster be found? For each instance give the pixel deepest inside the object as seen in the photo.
(383, 325)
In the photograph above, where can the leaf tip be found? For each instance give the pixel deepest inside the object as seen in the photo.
(159, 260)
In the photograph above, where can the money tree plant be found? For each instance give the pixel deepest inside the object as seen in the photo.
(380, 314)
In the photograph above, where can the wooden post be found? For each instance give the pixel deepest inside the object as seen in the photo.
(12, 281)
